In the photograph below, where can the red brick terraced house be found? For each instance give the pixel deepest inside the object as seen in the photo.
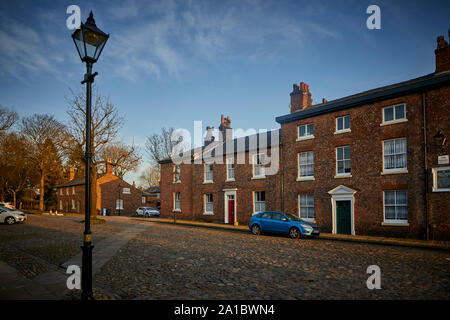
(373, 163)
(114, 195)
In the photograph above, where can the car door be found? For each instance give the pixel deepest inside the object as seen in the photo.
(2, 214)
(280, 222)
(265, 220)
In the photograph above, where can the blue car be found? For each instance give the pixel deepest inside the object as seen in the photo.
(284, 223)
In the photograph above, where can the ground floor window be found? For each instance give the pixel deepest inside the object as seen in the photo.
(60, 204)
(441, 179)
(396, 206)
(73, 204)
(119, 204)
(306, 206)
(259, 201)
(176, 201)
(209, 203)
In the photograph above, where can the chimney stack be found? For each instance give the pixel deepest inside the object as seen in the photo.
(300, 97)
(209, 138)
(226, 133)
(442, 53)
(71, 173)
(134, 184)
(109, 166)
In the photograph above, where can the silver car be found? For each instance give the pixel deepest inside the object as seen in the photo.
(11, 216)
(147, 212)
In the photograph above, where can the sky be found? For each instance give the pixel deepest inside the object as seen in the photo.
(169, 63)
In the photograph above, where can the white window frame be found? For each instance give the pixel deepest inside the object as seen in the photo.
(119, 204)
(126, 191)
(435, 182)
(230, 168)
(67, 191)
(73, 204)
(395, 170)
(258, 202)
(345, 174)
(262, 173)
(394, 120)
(61, 207)
(394, 221)
(299, 165)
(176, 173)
(61, 192)
(307, 135)
(143, 199)
(308, 195)
(343, 124)
(73, 189)
(205, 202)
(205, 180)
(177, 201)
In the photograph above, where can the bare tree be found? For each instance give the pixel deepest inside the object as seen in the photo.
(7, 118)
(150, 176)
(159, 146)
(105, 126)
(123, 157)
(45, 135)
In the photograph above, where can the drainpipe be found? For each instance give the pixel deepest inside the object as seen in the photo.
(425, 165)
(281, 167)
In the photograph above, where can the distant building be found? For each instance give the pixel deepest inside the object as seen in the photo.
(374, 163)
(114, 195)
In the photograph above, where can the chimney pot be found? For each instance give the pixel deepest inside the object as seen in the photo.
(324, 100)
(71, 173)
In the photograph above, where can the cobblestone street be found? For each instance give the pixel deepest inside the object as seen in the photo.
(166, 261)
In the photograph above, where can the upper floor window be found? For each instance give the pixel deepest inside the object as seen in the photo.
(208, 173)
(394, 155)
(306, 131)
(126, 191)
(343, 124)
(176, 173)
(258, 166)
(143, 200)
(61, 191)
(343, 163)
(395, 206)
(209, 203)
(230, 168)
(67, 191)
(394, 113)
(73, 189)
(259, 201)
(306, 206)
(306, 165)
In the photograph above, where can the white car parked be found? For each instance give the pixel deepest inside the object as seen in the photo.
(147, 212)
(11, 216)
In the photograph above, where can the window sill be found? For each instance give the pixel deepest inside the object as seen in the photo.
(208, 213)
(208, 182)
(343, 131)
(342, 176)
(305, 179)
(258, 177)
(395, 224)
(176, 211)
(175, 182)
(393, 122)
(393, 172)
(230, 180)
(305, 138)
(441, 190)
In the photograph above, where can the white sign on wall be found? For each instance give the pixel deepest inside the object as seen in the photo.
(443, 159)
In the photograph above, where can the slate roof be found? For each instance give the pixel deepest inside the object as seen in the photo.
(420, 84)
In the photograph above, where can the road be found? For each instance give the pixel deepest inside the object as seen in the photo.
(180, 262)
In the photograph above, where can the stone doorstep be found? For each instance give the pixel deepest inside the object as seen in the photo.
(323, 236)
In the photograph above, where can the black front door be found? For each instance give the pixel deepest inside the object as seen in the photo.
(343, 217)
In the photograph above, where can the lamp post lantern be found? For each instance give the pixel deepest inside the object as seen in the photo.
(89, 41)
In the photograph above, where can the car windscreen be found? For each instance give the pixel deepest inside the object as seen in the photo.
(293, 217)
(7, 209)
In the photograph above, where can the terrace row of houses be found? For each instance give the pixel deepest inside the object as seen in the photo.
(374, 163)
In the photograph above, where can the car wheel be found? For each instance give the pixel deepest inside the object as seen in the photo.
(294, 233)
(256, 230)
(10, 220)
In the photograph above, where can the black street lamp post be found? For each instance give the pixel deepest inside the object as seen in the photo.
(89, 41)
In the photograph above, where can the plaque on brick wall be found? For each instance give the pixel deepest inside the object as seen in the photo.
(443, 159)
(441, 179)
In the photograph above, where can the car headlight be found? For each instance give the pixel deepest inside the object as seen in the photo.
(306, 226)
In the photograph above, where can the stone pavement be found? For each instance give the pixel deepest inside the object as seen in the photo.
(52, 284)
(415, 243)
